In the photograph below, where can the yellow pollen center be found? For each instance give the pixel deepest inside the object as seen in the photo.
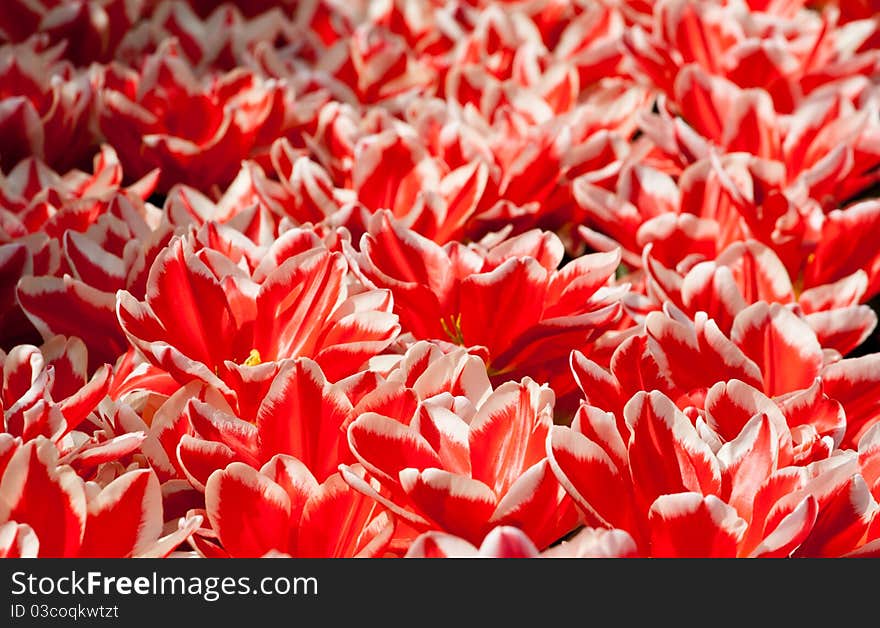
(253, 358)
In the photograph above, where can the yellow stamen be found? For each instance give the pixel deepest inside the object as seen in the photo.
(798, 283)
(453, 329)
(253, 358)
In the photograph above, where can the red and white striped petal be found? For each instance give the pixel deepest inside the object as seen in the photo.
(436, 544)
(637, 368)
(294, 303)
(508, 432)
(848, 230)
(416, 269)
(49, 498)
(354, 476)
(507, 542)
(303, 415)
(791, 531)
(92, 264)
(80, 404)
(595, 543)
(447, 434)
(386, 447)
(666, 455)
(197, 314)
(61, 305)
(299, 484)
(731, 405)
(456, 504)
(603, 429)
(93, 454)
(677, 345)
(851, 382)
(868, 550)
(747, 461)
(214, 424)
(690, 525)
(362, 327)
(711, 288)
(9, 444)
(338, 521)
(199, 458)
(758, 272)
(600, 489)
(538, 505)
(171, 541)
(518, 286)
(840, 294)
(18, 540)
(782, 345)
(843, 329)
(813, 407)
(249, 512)
(571, 288)
(599, 387)
(769, 507)
(846, 510)
(457, 372)
(22, 367)
(387, 398)
(125, 518)
(68, 358)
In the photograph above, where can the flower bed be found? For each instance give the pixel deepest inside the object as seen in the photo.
(439, 278)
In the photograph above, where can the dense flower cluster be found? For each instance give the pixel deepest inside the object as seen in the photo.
(411, 278)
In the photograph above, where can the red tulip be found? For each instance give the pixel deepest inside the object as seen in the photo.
(748, 271)
(48, 391)
(58, 515)
(454, 292)
(165, 117)
(282, 509)
(682, 491)
(302, 307)
(87, 30)
(45, 107)
(466, 475)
